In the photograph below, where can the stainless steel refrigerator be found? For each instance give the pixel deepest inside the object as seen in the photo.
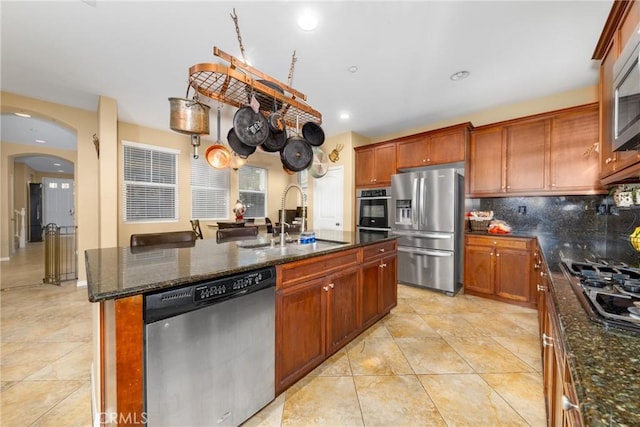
(427, 218)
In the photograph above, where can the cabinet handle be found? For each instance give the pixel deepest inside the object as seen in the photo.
(325, 288)
(381, 250)
(541, 288)
(331, 285)
(567, 404)
(383, 265)
(547, 341)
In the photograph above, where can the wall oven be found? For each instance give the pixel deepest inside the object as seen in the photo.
(626, 97)
(373, 207)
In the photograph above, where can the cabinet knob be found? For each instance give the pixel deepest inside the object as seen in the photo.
(331, 285)
(383, 265)
(541, 288)
(325, 288)
(542, 274)
(567, 404)
(381, 250)
(497, 254)
(547, 341)
(508, 186)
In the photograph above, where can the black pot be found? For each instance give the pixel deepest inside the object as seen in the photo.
(297, 154)
(241, 149)
(274, 142)
(252, 128)
(313, 133)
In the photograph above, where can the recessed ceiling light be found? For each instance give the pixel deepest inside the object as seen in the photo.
(344, 116)
(460, 75)
(22, 115)
(41, 141)
(308, 20)
(352, 69)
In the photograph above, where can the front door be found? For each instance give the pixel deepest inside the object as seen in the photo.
(58, 201)
(328, 194)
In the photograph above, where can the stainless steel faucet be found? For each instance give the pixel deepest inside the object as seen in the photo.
(304, 212)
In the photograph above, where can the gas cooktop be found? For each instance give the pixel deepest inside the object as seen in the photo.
(609, 291)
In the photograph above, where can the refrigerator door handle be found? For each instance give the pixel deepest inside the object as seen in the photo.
(422, 207)
(414, 203)
(424, 252)
(423, 235)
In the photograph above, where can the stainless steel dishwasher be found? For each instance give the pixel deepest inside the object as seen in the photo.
(210, 351)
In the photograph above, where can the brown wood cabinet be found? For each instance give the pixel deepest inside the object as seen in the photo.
(500, 268)
(624, 17)
(375, 164)
(551, 153)
(560, 395)
(442, 146)
(323, 302)
(379, 281)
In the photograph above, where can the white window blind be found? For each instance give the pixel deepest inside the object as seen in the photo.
(150, 183)
(209, 191)
(252, 182)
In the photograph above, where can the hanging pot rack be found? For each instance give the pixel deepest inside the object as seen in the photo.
(234, 84)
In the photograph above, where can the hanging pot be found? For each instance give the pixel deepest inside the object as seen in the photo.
(313, 133)
(274, 142)
(218, 155)
(189, 116)
(241, 149)
(252, 128)
(296, 155)
(276, 122)
(319, 163)
(268, 102)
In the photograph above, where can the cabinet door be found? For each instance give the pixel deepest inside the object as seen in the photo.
(385, 164)
(412, 152)
(370, 292)
(486, 153)
(526, 156)
(365, 165)
(388, 283)
(478, 268)
(446, 148)
(342, 308)
(574, 160)
(513, 274)
(299, 331)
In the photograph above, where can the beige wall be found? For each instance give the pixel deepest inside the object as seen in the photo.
(558, 101)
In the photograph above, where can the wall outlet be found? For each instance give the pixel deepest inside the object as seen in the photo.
(522, 210)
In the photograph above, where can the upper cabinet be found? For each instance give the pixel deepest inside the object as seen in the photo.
(623, 19)
(553, 153)
(375, 164)
(445, 145)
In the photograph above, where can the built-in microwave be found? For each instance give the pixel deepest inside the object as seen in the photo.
(373, 208)
(626, 96)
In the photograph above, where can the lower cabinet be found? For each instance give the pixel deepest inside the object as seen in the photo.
(500, 268)
(324, 302)
(559, 392)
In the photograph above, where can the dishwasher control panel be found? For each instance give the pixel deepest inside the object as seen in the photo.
(164, 304)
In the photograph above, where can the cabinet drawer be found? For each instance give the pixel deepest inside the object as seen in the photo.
(379, 249)
(295, 272)
(501, 242)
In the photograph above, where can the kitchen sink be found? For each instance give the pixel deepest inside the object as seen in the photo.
(292, 247)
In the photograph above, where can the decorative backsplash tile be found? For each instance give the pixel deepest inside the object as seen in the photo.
(592, 226)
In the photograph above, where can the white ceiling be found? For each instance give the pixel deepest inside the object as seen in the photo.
(139, 53)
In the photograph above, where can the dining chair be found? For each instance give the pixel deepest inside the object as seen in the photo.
(166, 238)
(225, 225)
(241, 233)
(195, 225)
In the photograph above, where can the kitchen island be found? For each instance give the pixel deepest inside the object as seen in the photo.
(341, 282)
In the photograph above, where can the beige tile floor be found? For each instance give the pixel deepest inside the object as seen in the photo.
(435, 360)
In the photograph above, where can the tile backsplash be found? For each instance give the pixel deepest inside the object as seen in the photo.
(591, 226)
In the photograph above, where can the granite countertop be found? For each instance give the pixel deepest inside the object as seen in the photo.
(604, 361)
(124, 271)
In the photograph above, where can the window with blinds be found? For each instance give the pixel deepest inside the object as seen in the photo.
(150, 183)
(252, 182)
(209, 191)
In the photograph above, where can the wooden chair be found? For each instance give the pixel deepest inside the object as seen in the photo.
(241, 233)
(167, 239)
(225, 225)
(195, 225)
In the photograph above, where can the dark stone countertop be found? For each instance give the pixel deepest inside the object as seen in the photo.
(124, 271)
(604, 361)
